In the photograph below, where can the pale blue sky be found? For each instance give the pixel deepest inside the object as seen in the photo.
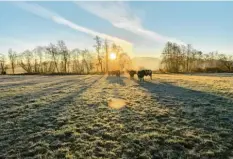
(144, 26)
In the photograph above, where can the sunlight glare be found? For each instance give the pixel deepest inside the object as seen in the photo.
(113, 56)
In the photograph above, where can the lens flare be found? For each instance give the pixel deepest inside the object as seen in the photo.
(116, 103)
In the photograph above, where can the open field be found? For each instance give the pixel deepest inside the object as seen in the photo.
(172, 116)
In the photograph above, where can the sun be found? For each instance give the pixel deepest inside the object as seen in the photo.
(113, 56)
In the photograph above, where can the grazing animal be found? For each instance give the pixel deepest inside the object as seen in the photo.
(110, 73)
(132, 73)
(116, 72)
(3, 72)
(143, 73)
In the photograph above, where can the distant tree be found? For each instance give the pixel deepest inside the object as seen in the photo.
(166, 56)
(98, 47)
(3, 65)
(193, 59)
(64, 52)
(26, 61)
(124, 61)
(86, 61)
(106, 48)
(183, 50)
(76, 65)
(199, 59)
(13, 59)
(226, 61)
(38, 53)
(117, 50)
(189, 52)
(53, 52)
(210, 59)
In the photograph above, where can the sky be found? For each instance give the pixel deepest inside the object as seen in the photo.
(141, 28)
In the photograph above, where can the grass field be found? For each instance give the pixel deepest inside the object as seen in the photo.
(172, 116)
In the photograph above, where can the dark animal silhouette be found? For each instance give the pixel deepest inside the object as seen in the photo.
(3, 72)
(143, 73)
(132, 73)
(116, 72)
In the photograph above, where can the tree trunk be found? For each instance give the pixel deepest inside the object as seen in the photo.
(13, 68)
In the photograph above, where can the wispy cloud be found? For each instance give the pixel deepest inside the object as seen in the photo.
(45, 13)
(120, 15)
(21, 44)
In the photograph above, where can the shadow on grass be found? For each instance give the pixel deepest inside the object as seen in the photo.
(116, 80)
(18, 136)
(212, 74)
(186, 123)
(7, 78)
(44, 88)
(24, 83)
(36, 82)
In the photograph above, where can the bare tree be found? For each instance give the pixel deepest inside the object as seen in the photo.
(183, 50)
(38, 51)
(117, 50)
(53, 52)
(189, 51)
(76, 65)
(199, 59)
(98, 47)
(226, 61)
(106, 48)
(86, 61)
(13, 59)
(124, 61)
(26, 61)
(3, 66)
(63, 51)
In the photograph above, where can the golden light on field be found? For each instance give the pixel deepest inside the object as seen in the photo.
(116, 103)
(112, 56)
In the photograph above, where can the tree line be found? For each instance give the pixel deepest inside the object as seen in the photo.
(179, 58)
(58, 59)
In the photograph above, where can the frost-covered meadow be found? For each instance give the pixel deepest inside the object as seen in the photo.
(172, 116)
